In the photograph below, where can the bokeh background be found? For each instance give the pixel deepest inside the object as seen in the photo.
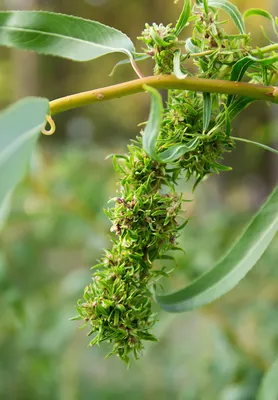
(56, 230)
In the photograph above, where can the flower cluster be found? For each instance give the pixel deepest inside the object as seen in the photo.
(160, 42)
(117, 304)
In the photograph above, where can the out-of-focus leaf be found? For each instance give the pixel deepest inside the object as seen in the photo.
(61, 35)
(5, 209)
(269, 386)
(20, 126)
(232, 10)
(263, 146)
(233, 267)
(206, 8)
(185, 14)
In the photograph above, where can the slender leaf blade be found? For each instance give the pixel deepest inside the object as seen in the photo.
(207, 110)
(261, 145)
(233, 267)
(20, 126)
(61, 35)
(185, 14)
(232, 10)
(269, 386)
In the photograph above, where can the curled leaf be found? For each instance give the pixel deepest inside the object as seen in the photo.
(177, 65)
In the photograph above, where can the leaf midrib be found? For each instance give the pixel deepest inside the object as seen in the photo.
(64, 37)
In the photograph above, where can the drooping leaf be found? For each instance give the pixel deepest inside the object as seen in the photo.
(243, 255)
(207, 111)
(177, 65)
(232, 10)
(137, 57)
(262, 13)
(20, 126)
(152, 129)
(269, 387)
(61, 35)
(185, 14)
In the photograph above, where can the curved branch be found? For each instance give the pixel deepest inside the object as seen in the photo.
(259, 92)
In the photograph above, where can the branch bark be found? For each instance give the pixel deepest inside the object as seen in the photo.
(259, 92)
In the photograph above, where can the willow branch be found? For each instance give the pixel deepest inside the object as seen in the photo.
(258, 92)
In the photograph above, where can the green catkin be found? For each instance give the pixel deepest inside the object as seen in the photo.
(146, 217)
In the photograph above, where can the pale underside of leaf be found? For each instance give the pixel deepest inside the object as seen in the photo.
(233, 267)
(61, 35)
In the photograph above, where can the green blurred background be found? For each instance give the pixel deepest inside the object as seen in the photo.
(56, 230)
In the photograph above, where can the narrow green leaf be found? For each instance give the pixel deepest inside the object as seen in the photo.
(177, 65)
(269, 386)
(241, 66)
(262, 13)
(154, 123)
(239, 105)
(257, 11)
(207, 111)
(263, 146)
(175, 152)
(61, 35)
(185, 14)
(206, 8)
(232, 10)
(243, 255)
(20, 126)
